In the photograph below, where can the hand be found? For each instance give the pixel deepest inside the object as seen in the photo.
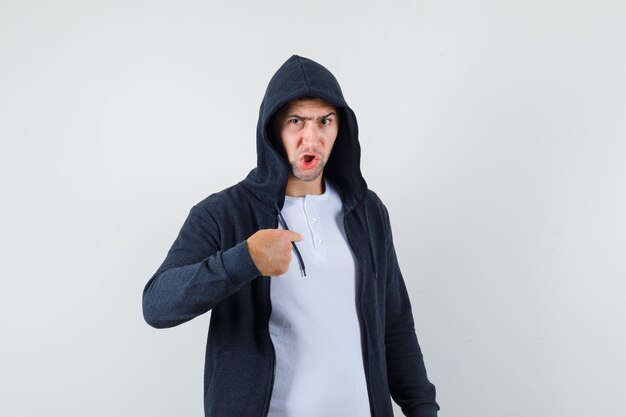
(270, 250)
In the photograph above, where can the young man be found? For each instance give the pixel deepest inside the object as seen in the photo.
(310, 313)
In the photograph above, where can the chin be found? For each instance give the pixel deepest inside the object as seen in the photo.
(308, 177)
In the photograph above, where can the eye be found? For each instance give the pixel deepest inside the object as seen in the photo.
(294, 121)
(326, 121)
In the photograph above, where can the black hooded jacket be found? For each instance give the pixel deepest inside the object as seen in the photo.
(209, 267)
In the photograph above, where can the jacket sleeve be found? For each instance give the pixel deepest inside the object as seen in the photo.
(195, 275)
(408, 383)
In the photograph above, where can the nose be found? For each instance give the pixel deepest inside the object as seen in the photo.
(310, 135)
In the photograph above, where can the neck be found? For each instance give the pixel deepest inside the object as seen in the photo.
(298, 188)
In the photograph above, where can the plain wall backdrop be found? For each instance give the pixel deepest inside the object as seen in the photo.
(494, 131)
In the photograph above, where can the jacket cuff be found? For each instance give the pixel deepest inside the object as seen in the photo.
(423, 411)
(239, 264)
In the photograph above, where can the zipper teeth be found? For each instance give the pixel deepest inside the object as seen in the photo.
(269, 397)
(362, 314)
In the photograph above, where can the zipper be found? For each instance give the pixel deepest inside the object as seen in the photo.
(269, 397)
(269, 300)
(362, 316)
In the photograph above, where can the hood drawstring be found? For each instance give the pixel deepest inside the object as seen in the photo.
(284, 224)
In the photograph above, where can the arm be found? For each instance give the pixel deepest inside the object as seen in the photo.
(195, 275)
(408, 382)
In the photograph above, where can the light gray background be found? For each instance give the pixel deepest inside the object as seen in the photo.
(494, 131)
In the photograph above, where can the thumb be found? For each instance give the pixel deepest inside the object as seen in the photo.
(295, 236)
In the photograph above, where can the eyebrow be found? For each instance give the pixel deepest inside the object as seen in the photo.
(310, 118)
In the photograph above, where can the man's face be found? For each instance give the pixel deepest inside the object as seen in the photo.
(307, 129)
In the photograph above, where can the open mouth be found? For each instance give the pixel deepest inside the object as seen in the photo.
(308, 161)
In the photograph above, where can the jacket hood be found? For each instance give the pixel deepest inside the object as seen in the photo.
(301, 77)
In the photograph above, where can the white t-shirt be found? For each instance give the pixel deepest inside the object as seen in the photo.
(314, 324)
